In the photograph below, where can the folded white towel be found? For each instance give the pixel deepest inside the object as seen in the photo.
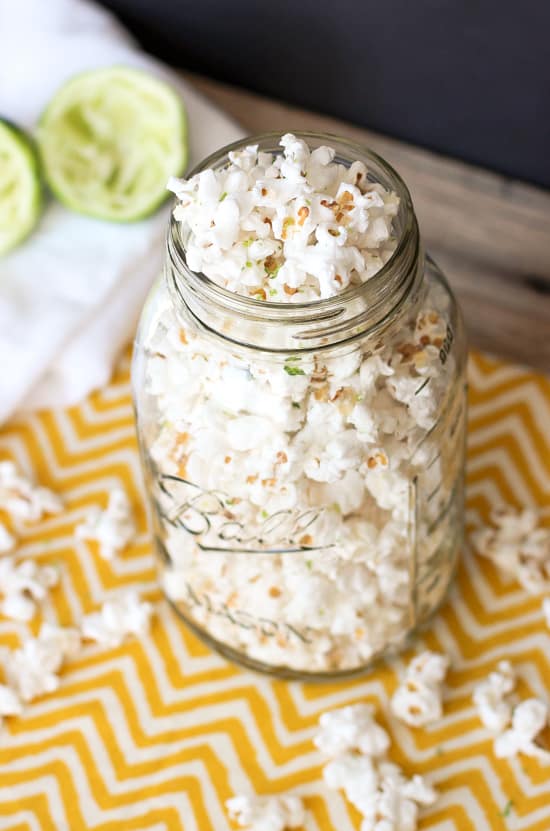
(71, 294)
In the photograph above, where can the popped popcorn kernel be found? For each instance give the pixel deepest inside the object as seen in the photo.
(24, 500)
(492, 697)
(32, 670)
(517, 544)
(351, 728)
(113, 528)
(266, 813)
(23, 586)
(418, 699)
(529, 720)
(124, 615)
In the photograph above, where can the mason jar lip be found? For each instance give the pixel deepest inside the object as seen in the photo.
(253, 307)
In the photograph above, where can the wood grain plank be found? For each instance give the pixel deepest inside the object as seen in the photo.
(489, 233)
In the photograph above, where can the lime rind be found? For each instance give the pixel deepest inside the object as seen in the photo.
(20, 186)
(110, 139)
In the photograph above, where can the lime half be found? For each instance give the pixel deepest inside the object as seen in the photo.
(20, 188)
(110, 139)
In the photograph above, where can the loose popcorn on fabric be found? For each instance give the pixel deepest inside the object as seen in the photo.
(351, 728)
(418, 699)
(24, 500)
(113, 528)
(529, 720)
(266, 813)
(517, 544)
(23, 586)
(32, 669)
(124, 615)
(492, 697)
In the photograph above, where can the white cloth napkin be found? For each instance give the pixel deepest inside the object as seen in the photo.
(70, 296)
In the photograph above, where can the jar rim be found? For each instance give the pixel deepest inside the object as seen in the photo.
(371, 291)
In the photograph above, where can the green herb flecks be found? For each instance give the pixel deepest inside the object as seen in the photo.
(293, 370)
(222, 197)
(506, 811)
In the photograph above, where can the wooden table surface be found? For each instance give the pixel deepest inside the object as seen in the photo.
(490, 233)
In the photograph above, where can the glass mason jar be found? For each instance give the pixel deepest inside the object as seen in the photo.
(304, 462)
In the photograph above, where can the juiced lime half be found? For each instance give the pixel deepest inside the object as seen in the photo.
(20, 188)
(109, 140)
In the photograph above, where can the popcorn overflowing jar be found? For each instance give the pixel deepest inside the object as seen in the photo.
(299, 381)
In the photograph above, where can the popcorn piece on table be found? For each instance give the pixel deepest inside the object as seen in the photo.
(379, 791)
(529, 719)
(24, 500)
(122, 616)
(493, 707)
(23, 585)
(32, 669)
(417, 700)
(356, 775)
(517, 545)
(351, 728)
(267, 813)
(7, 540)
(394, 805)
(112, 528)
(10, 705)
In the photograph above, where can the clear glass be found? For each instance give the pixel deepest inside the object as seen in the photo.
(304, 463)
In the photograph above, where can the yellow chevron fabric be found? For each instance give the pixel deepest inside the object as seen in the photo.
(157, 733)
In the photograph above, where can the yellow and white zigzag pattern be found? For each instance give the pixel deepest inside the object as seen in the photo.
(159, 732)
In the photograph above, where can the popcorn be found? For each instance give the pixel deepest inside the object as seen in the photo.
(288, 228)
(7, 541)
(490, 697)
(32, 670)
(356, 775)
(266, 813)
(122, 616)
(529, 719)
(112, 528)
(23, 500)
(516, 544)
(351, 728)
(10, 705)
(394, 805)
(376, 787)
(23, 585)
(379, 791)
(417, 701)
(307, 460)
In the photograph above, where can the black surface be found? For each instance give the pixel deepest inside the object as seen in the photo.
(470, 79)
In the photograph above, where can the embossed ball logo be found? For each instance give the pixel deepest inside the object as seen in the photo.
(219, 522)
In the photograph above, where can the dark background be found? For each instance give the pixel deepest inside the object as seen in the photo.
(469, 78)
